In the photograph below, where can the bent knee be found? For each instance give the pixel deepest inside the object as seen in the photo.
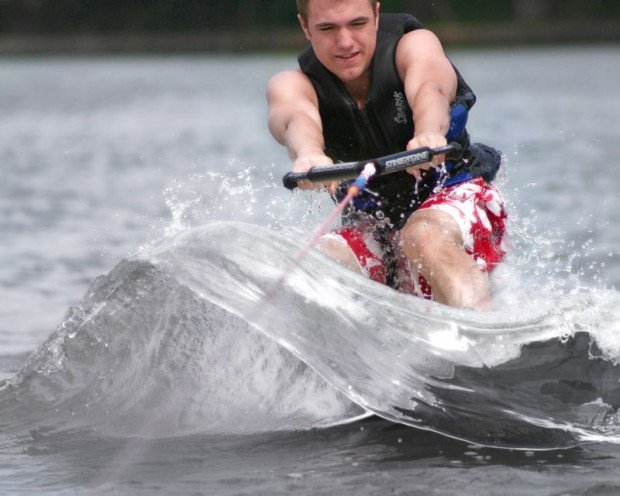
(427, 229)
(337, 249)
(426, 225)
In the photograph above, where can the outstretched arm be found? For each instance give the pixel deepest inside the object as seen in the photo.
(430, 85)
(295, 122)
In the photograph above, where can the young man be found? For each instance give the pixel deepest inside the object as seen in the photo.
(371, 85)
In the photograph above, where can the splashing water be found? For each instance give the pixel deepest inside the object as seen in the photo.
(166, 336)
(171, 335)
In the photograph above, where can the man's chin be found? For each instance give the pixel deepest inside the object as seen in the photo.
(348, 75)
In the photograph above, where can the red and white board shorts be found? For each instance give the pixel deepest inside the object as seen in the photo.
(476, 206)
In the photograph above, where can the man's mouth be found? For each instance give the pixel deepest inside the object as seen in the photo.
(347, 56)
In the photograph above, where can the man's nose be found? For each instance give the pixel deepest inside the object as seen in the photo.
(344, 38)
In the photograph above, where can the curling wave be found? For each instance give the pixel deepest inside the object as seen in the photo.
(168, 344)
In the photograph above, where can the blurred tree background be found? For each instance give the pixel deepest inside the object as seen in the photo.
(260, 24)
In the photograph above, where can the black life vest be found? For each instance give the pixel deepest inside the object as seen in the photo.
(385, 124)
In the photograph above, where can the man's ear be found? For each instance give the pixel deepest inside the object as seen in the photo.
(304, 25)
(377, 14)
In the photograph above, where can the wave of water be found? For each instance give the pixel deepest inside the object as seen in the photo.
(179, 340)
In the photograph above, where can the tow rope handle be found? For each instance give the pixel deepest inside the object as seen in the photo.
(383, 165)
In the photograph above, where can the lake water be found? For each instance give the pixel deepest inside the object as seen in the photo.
(113, 159)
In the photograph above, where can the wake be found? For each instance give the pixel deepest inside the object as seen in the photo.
(169, 344)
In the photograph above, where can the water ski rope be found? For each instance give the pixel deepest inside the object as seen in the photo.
(355, 189)
(362, 171)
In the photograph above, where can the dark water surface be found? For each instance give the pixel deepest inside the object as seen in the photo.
(102, 158)
(370, 458)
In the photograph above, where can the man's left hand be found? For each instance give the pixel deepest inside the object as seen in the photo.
(431, 140)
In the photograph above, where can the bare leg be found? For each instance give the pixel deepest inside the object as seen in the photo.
(432, 242)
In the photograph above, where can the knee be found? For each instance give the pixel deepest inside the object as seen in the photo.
(426, 232)
(417, 230)
(340, 251)
(331, 247)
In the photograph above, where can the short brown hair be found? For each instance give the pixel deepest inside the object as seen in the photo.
(302, 7)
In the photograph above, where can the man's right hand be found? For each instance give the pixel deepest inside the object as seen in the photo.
(295, 122)
(307, 162)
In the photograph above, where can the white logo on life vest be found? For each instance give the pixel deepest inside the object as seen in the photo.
(416, 158)
(401, 114)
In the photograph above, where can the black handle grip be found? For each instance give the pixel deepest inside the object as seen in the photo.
(335, 172)
(290, 179)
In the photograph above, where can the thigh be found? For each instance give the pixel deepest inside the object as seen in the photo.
(478, 209)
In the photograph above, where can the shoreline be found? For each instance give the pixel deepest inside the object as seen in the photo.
(286, 40)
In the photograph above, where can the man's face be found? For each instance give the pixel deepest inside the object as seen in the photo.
(343, 34)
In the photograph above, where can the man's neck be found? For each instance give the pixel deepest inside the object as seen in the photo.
(358, 89)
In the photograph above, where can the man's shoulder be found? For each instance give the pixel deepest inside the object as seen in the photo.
(420, 42)
(288, 73)
(291, 77)
(419, 49)
(420, 37)
(291, 82)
